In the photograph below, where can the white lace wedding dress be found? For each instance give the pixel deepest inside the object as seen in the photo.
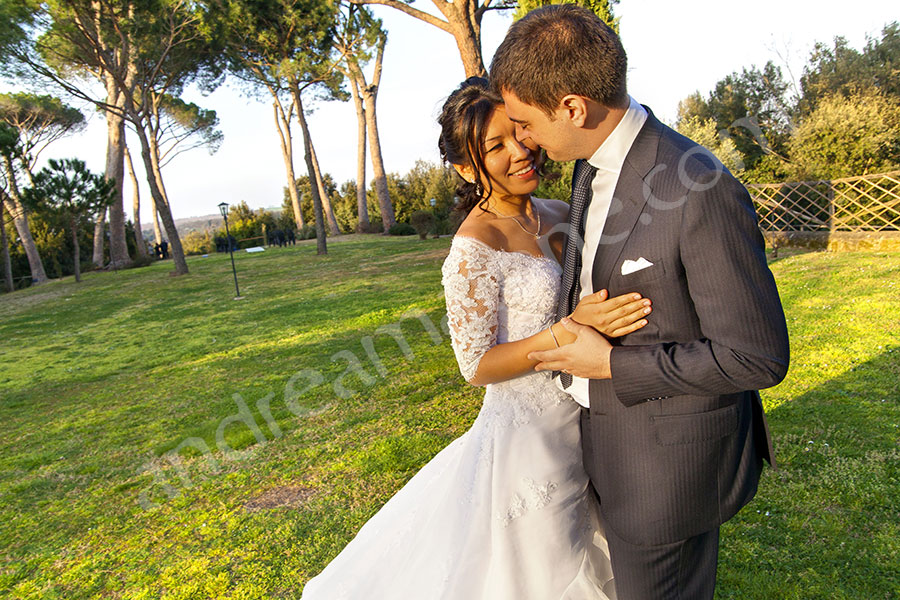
(503, 512)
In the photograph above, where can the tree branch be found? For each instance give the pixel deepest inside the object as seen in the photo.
(413, 12)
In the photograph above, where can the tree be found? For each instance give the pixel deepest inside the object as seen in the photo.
(285, 49)
(847, 136)
(142, 52)
(11, 156)
(136, 207)
(751, 107)
(840, 69)
(4, 244)
(462, 20)
(713, 139)
(601, 8)
(70, 190)
(40, 120)
(361, 34)
(36, 121)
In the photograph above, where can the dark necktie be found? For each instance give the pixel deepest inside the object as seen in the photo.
(570, 286)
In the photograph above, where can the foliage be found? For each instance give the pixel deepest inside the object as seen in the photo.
(100, 382)
(16, 19)
(556, 181)
(840, 69)
(66, 187)
(246, 224)
(847, 136)
(400, 228)
(423, 221)
(198, 242)
(602, 8)
(68, 190)
(751, 107)
(39, 119)
(830, 128)
(718, 142)
(414, 191)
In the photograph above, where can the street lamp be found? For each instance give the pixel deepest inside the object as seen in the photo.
(433, 202)
(223, 208)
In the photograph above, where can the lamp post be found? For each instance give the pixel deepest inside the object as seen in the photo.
(223, 208)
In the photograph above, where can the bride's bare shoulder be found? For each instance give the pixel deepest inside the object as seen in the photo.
(480, 226)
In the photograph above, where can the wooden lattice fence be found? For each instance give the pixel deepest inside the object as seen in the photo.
(870, 203)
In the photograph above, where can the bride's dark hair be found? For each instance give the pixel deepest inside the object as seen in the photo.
(463, 121)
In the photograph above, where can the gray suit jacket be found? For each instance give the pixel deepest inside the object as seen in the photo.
(675, 440)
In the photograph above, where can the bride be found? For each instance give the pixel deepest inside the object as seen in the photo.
(504, 512)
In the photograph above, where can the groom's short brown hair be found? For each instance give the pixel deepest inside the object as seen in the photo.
(557, 50)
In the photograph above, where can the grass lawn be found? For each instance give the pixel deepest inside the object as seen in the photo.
(159, 439)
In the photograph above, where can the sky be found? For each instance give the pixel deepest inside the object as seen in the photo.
(674, 49)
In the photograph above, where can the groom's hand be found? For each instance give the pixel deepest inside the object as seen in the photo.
(587, 356)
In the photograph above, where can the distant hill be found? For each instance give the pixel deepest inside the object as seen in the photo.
(201, 223)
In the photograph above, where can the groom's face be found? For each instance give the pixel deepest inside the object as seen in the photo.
(553, 132)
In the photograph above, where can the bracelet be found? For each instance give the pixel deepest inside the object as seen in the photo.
(553, 335)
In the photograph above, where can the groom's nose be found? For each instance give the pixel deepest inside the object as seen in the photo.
(521, 134)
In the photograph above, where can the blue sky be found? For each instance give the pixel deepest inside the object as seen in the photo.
(674, 49)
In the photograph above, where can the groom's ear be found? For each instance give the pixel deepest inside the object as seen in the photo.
(574, 108)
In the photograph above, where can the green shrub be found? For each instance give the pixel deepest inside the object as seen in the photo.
(308, 232)
(423, 222)
(401, 229)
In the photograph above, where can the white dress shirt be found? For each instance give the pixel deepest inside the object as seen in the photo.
(608, 159)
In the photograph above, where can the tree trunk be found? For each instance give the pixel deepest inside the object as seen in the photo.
(136, 207)
(157, 231)
(312, 162)
(323, 193)
(162, 204)
(20, 218)
(4, 241)
(362, 209)
(283, 124)
(321, 245)
(463, 22)
(74, 228)
(99, 238)
(468, 40)
(115, 170)
(370, 95)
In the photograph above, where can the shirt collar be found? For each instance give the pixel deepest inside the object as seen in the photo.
(611, 154)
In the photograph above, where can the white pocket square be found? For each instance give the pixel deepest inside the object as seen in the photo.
(632, 266)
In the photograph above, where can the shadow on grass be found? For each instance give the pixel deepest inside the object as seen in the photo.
(827, 524)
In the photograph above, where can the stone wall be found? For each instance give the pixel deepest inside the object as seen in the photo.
(837, 241)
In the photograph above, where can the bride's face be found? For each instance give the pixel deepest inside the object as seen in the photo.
(510, 164)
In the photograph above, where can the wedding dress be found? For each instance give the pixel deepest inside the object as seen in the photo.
(504, 512)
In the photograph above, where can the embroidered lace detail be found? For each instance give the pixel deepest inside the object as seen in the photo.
(472, 291)
(494, 297)
(538, 496)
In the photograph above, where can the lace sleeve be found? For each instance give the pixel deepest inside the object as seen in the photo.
(472, 291)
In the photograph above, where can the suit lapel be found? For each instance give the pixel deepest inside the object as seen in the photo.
(628, 201)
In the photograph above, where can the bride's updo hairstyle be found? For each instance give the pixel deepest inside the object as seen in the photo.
(463, 121)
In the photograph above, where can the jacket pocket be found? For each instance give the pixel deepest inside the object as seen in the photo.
(697, 427)
(651, 273)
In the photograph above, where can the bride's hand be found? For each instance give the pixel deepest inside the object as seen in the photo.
(613, 317)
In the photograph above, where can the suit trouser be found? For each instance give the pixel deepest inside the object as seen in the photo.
(682, 570)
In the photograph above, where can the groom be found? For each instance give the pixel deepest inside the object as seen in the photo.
(674, 432)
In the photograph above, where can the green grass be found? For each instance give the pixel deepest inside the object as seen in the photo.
(101, 382)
